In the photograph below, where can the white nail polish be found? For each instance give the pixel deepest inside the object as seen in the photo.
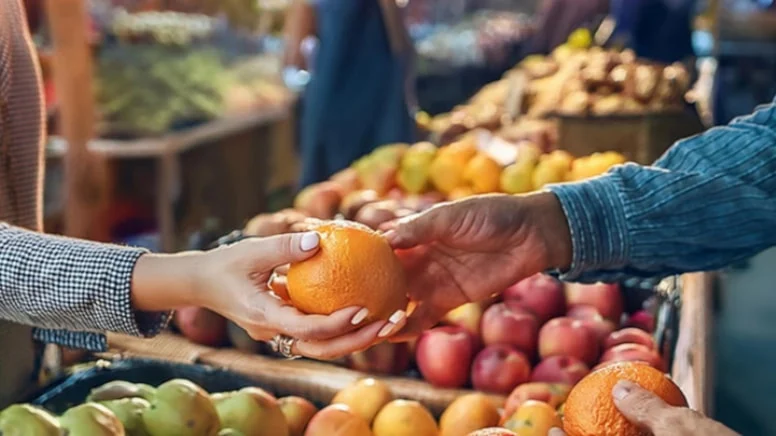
(386, 330)
(397, 317)
(360, 316)
(309, 241)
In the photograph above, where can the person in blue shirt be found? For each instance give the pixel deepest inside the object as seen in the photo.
(708, 202)
(357, 97)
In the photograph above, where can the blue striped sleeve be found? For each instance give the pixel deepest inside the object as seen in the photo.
(708, 202)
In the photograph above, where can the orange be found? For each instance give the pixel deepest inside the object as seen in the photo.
(533, 418)
(365, 397)
(589, 409)
(468, 413)
(483, 174)
(355, 266)
(404, 418)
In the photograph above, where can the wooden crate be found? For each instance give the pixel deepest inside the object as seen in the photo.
(319, 381)
(641, 138)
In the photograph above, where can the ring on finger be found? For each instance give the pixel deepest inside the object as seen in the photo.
(284, 346)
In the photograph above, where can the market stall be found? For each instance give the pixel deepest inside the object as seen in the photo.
(515, 359)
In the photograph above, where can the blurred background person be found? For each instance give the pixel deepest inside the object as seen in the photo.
(360, 91)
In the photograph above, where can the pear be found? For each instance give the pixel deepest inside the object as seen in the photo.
(252, 412)
(27, 420)
(91, 419)
(181, 408)
(119, 389)
(390, 153)
(130, 412)
(517, 178)
(413, 176)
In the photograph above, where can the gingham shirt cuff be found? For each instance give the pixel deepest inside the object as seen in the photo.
(596, 218)
(65, 285)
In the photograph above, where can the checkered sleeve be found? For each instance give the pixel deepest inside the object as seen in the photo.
(65, 286)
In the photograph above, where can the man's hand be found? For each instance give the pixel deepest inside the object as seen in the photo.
(471, 249)
(651, 413)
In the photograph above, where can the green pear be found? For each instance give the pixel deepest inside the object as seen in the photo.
(251, 411)
(119, 389)
(91, 419)
(390, 153)
(181, 408)
(130, 412)
(27, 420)
(147, 392)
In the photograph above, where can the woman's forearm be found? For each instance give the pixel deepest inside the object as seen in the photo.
(165, 281)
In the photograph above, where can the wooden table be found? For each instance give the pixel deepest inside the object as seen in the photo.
(167, 153)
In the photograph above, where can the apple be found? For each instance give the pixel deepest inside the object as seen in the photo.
(560, 369)
(347, 179)
(583, 311)
(541, 294)
(553, 394)
(298, 412)
(643, 320)
(633, 353)
(321, 200)
(384, 358)
(337, 419)
(201, 326)
(353, 202)
(602, 328)
(444, 356)
(509, 324)
(605, 297)
(499, 369)
(629, 335)
(568, 337)
(467, 316)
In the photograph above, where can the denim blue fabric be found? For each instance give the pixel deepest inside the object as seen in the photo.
(708, 202)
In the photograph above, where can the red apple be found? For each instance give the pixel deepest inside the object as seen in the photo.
(336, 419)
(633, 353)
(467, 316)
(560, 369)
(642, 320)
(384, 358)
(583, 311)
(568, 337)
(444, 356)
(602, 328)
(603, 296)
(553, 394)
(509, 324)
(201, 326)
(321, 200)
(541, 294)
(630, 335)
(499, 369)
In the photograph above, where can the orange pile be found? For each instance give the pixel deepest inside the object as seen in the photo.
(589, 409)
(355, 266)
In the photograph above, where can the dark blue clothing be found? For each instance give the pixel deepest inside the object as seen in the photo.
(355, 100)
(659, 30)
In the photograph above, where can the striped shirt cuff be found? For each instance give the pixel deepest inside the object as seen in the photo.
(596, 218)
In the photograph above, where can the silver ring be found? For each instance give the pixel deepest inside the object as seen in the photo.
(283, 345)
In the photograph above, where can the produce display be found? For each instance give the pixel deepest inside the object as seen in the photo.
(574, 80)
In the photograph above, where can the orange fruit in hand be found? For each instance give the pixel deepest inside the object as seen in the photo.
(589, 409)
(355, 266)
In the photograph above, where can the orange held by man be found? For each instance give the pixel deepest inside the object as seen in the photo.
(355, 266)
(589, 409)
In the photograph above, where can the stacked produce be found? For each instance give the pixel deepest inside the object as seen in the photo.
(575, 80)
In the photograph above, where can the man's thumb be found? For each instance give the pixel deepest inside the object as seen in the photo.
(638, 405)
(275, 251)
(413, 230)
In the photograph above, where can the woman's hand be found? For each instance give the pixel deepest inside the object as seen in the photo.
(471, 249)
(233, 281)
(651, 413)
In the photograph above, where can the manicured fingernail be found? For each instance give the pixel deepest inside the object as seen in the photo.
(397, 317)
(360, 316)
(622, 389)
(309, 241)
(386, 330)
(556, 432)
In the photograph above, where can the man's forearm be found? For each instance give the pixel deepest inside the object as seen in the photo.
(710, 201)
